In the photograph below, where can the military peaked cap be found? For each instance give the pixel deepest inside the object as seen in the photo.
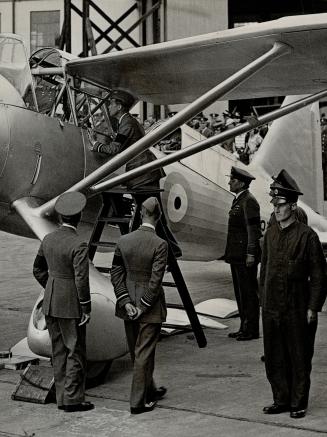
(125, 97)
(152, 205)
(284, 187)
(241, 175)
(70, 203)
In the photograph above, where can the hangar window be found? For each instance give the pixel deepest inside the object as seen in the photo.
(45, 29)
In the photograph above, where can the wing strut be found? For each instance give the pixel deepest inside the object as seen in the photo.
(205, 144)
(278, 49)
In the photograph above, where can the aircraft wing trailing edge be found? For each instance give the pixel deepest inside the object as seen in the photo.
(155, 73)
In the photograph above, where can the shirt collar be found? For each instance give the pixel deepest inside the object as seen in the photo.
(66, 225)
(121, 117)
(149, 226)
(238, 194)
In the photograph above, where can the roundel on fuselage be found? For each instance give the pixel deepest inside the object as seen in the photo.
(177, 198)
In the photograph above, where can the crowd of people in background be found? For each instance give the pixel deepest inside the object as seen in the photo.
(243, 146)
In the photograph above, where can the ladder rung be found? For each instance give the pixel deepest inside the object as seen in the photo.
(115, 219)
(175, 305)
(103, 269)
(179, 327)
(103, 243)
(169, 284)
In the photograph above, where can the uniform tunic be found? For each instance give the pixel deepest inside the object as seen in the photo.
(62, 268)
(243, 238)
(129, 132)
(292, 278)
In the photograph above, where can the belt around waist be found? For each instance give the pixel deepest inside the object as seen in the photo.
(60, 276)
(139, 277)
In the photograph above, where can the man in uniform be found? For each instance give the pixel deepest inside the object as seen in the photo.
(137, 270)
(129, 132)
(62, 268)
(292, 278)
(243, 253)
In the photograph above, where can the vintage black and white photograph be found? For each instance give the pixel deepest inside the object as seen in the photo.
(163, 218)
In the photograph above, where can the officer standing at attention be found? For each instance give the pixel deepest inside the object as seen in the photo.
(292, 279)
(137, 270)
(62, 268)
(243, 253)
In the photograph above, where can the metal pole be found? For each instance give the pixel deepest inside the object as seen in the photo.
(68, 33)
(86, 14)
(205, 144)
(13, 16)
(176, 121)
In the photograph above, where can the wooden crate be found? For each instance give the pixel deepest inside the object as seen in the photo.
(36, 385)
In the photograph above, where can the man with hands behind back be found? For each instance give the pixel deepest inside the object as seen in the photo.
(137, 271)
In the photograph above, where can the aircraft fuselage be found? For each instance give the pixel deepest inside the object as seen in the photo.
(41, 157)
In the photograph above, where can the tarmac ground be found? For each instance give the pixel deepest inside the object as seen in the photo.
(219, 390)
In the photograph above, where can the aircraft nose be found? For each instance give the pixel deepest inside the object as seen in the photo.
(4, 138)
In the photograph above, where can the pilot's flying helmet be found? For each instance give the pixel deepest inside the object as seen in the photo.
(284, 189)
(70, 203)
(125, 97)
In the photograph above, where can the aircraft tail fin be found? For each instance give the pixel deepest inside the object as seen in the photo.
(293, 142)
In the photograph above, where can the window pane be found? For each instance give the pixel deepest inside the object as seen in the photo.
(44, 29)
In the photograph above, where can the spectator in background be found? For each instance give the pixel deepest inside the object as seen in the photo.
(253, 143)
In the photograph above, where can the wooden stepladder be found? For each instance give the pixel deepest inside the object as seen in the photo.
(121, 211)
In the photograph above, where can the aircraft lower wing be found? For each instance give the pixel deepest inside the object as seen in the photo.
(155, 73)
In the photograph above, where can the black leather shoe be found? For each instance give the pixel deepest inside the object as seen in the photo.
(297, 414)
(235, 334)
(61, 407)
(83, 406)
(147, 407)
(276, 409)
(247, 337)
(159, 393)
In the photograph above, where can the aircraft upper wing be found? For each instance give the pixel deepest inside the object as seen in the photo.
(179, 71)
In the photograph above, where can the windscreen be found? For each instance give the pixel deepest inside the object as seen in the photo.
(14, 64)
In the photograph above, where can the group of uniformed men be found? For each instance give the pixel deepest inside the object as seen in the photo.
(292, 277)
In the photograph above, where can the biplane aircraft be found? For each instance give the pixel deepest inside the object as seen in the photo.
(47, 107)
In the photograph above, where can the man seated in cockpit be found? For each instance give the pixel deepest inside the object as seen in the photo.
(128, 132)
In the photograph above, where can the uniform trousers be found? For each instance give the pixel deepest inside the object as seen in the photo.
(68, 359)
(142, 339)
(246, 293)
(288, 346)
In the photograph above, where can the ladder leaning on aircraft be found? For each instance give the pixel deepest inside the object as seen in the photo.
(54, 155)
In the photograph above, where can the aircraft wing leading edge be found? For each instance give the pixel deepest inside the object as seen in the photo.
(155, 73)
